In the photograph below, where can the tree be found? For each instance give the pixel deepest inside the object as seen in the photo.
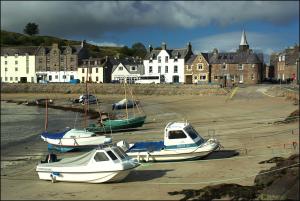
(139, 50)
(31, 29)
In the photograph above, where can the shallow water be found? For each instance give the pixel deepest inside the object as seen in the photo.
(20, 122)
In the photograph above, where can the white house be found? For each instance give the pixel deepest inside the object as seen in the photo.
(18, 64)
(128, 69)
(167, 63)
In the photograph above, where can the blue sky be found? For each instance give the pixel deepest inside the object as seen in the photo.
(270, 25)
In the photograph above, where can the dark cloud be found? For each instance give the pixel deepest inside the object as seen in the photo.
(93, 18)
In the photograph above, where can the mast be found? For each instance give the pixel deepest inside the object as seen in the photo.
(125, 98)
(86, 93)
(46, 118)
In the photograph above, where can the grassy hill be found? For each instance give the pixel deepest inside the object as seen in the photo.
(17, 39)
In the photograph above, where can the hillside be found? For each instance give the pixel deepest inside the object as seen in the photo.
(17, 39)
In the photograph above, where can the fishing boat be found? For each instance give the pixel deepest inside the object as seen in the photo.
(104, 164)
(181, 142)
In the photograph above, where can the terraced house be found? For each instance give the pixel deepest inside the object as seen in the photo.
(240, 67)
(168, 64)
(59, 63)
(18, 64)
(96, 70)
(197, 70)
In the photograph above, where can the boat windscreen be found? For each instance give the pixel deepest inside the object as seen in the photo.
(118, 152)
(112, 155)
(191, 132)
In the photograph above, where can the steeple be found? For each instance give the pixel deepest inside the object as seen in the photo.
(243, 39)
(243, 44)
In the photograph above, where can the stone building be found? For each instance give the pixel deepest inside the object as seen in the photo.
(240, 67)
(287, 65)
(59, 63)
(197, 69)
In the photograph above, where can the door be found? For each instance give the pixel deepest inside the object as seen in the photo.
(188, 79)
(175, 79)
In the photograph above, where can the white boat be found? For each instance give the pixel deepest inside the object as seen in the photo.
(74, 139)
(108, 164)
(181, 142)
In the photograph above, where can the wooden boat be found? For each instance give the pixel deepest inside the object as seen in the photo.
(181, 142)
(107, 164)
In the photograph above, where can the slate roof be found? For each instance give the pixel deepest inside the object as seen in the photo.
(235, 57)
(127, 62)
(180, 53)
(291, 55)
(75, 48)
(11, 51)
(193, 57)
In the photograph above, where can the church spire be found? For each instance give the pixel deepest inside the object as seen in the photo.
(243, 39)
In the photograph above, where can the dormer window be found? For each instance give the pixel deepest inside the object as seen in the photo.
(176, 59)
(224, 66)
(133, 68)
(16, 55)
(150, 61)
(5, 56)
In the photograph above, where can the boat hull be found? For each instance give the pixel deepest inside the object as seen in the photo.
(118, 125)
(88, 177)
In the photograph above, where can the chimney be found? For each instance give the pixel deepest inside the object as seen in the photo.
(83, 43)
(163, 46)
(150, 48)
(106, 58)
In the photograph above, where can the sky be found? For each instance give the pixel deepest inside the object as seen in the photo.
(270, 26)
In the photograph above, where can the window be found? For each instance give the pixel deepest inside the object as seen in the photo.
(64, 77)
(196, 77)
(200, 67)
(16, 78)
(5, 62)
(159, 59)
(224, 66)
(50, 77)
(16, 62)
(166, 69)
(120, 68)
(71, 77)
(166, 59)
(191, 132)
(202, 77)
(133, 68)
(72, 59)
(96, 70)
(40, 60)
(240, 67)
(56, 77)
(159, 69)
(5, 69)
(150, 69)
(97, 79)
(175, 69)
(82, 79)
(16, 68)
(82, 70)
(215, 77)
(112, 155)
(62, 59)
(71, 67)
(119, 152)
(253, 65)
(11, 78)
(5, 78)
(252, 76)
(189, 67)
(100, 156)
(176, 134)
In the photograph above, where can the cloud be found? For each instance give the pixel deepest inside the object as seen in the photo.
(94, 18)
(265, 43)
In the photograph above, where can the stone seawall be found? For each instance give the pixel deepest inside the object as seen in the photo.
(141, 89)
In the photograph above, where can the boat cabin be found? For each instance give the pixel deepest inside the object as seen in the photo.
(180, 135)
(109, 154)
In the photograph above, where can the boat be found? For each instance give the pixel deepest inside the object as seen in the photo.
(103, 164)
(74, 139)
(125, 103)
(109, 123)
(181, 142)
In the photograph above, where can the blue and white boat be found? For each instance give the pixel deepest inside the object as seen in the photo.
(181, 142)
(71, 139)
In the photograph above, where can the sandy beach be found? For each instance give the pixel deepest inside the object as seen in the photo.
(244, 124)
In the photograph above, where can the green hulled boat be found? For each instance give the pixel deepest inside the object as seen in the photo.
(117, 124)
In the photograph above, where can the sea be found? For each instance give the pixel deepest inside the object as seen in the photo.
(20, 122)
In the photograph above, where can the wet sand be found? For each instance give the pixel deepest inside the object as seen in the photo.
(243, 125)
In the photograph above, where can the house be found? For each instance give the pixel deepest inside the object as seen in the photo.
(96, 69)
(240, 67)
(59, 63)
(287, 65)
(128, 69)
(197, 69)
(167, 63)
(18, 64)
